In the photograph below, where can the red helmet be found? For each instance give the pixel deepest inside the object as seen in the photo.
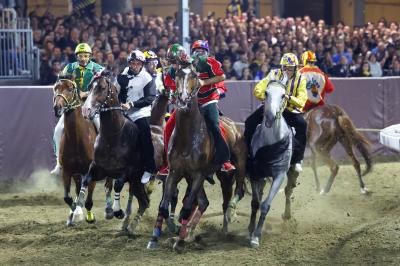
(200, 44)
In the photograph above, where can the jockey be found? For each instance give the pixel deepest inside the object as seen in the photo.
(83, 70)
(137, 93)
(212, 75)
(293, 114)
(151, 63)
(318, 83)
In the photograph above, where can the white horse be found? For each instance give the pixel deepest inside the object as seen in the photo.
(271, 150)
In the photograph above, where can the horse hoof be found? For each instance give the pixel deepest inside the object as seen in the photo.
(109, 214)
(322, 192)
(90, 218)
(364, 191)
(119, 214)
(254, 242)
(179, 246)
(77, 215)
(152, 245)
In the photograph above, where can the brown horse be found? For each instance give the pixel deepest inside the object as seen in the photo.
(328, 125)
(116, 151)
(76, 149)
(190, 156)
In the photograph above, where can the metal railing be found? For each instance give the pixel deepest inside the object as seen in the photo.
(19, 58)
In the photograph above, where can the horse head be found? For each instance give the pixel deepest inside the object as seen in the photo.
(187, 86)
(66, 96)
(102, 95)
(275, 103)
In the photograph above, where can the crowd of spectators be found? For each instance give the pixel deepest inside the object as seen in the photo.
(247, 46)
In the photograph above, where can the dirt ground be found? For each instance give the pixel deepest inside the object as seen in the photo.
(343, 227)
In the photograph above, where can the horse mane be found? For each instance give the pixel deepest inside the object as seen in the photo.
(65, 76)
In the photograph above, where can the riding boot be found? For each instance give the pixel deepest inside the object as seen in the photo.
(211, 117)
(251, 124)
(58, 132)
(297, 121)
(147, 148)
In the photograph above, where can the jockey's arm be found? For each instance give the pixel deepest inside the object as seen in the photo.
(328, 85)
(300, 99)
(260, 89)
(123, 92)
(149, 94)
(211, 81)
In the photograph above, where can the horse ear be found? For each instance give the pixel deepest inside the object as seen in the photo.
(106, 73)
(66, 76)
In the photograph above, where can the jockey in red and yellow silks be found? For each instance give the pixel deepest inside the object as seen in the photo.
(318, 83)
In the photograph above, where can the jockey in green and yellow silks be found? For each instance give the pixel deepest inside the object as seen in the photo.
(83, 71)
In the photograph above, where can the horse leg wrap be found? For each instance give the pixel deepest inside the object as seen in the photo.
(183, 233)
(184, 215)
(195, 218)
(158, 226)
(156, 233)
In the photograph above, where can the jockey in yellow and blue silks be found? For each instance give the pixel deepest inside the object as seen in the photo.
(83, 70)
(296, 95)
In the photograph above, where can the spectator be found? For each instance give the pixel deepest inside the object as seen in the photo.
(395, 68)
(246, 74)
(342, 68)
(375, 66)
(241, 64)
(227, 68)
(365, 70)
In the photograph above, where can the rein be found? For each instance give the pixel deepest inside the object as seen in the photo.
(110, 93)
(76, 100)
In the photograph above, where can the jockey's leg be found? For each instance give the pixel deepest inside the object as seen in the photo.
(169, 128)
(147, 148)
(96, 122)
(297, 121)
(251, 124)
(58, 132)
(211, 116)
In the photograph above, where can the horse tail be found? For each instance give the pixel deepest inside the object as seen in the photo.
(356, 138)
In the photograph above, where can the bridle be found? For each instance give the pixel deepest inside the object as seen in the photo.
(283, 103)
(70, 104)
(109, 97)
(185, 103)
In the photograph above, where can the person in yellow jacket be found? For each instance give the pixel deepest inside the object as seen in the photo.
(296, 95)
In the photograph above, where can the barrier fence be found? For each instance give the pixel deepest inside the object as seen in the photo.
(19, 58)
(27, 119)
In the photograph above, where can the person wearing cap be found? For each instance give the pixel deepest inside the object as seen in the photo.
(318, 83)
(83, 70)
(137, 93)
(296, 96)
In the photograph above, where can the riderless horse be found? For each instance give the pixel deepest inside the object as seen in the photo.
(116, 150)
(76, 148)
(271, 150)
(328, 125)
(190, 156)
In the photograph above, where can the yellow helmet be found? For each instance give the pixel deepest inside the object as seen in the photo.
(83, 48)
(308, 56)
(289, 59)
(150, 55)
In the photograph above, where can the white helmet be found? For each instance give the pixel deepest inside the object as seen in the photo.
(136, 55)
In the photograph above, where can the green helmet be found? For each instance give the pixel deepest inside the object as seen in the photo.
(177, 52)
(83, 48)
